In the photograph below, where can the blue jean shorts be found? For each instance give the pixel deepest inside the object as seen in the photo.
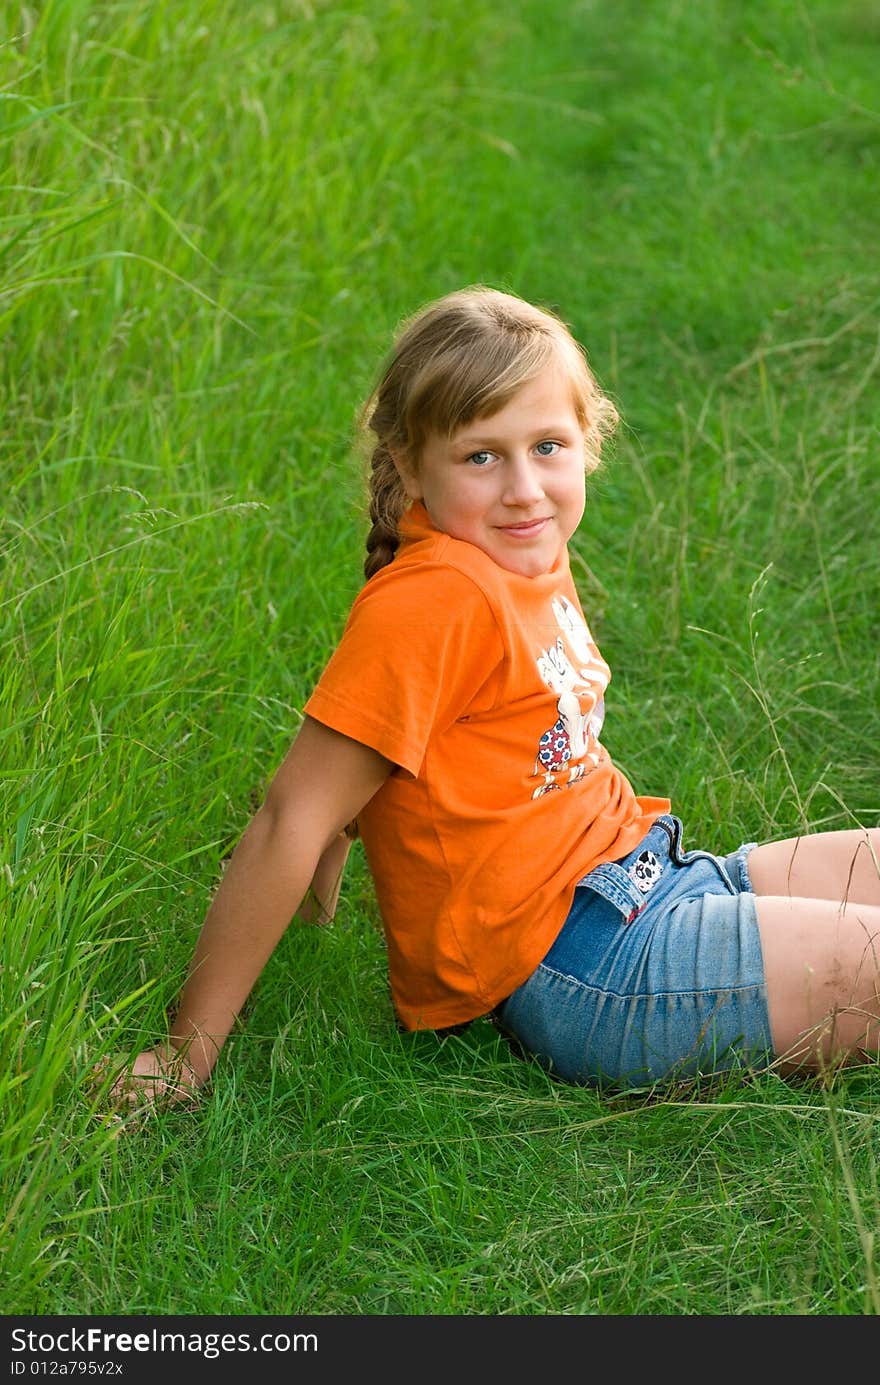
(656, 975)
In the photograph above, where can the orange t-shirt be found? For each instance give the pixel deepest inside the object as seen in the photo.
(485, 689)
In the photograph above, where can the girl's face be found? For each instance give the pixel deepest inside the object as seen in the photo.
(511, 483)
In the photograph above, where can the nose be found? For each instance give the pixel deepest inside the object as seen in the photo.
(522, 484)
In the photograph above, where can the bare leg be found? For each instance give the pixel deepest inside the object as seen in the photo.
(843, 866)
(822, 967)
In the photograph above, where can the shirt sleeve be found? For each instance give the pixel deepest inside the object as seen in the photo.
(420, 645)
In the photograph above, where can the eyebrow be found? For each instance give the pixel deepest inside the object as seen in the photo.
(548, 430)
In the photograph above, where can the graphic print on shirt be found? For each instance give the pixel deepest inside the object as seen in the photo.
(573, 669)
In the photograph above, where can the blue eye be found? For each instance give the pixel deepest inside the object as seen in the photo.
(553, 446)
(480, 458)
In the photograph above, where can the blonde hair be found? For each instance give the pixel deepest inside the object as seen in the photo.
(457, 359)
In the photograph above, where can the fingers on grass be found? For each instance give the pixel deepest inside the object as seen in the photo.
(161, 1082)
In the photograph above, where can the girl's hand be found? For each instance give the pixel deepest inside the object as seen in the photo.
(160, 1076)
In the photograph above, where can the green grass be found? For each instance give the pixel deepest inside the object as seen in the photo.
(212, 217)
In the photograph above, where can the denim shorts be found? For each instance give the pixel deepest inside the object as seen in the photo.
(656, 975)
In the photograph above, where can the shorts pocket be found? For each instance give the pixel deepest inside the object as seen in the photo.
(621, 886)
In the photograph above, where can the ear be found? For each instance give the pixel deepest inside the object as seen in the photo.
(408, 473)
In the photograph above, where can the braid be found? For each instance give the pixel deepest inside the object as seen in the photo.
(387, 504)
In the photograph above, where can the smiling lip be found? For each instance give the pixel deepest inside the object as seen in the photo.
(527, 530)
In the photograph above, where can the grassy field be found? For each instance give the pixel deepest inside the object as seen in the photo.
(212, 216)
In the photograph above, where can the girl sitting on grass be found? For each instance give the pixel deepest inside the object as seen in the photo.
(458, 725)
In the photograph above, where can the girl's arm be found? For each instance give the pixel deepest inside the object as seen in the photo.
(323, 783)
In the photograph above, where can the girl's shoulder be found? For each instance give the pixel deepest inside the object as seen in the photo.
(441, 580)
(432, 565)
